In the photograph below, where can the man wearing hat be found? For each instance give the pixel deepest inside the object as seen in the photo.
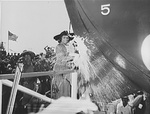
(29, 82)
(128, 106)
(62, 81)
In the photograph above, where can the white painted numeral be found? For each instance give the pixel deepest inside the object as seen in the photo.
(105, 10)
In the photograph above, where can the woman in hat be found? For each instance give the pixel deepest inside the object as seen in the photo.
(62, 58)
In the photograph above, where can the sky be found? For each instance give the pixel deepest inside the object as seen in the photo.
(34, 22)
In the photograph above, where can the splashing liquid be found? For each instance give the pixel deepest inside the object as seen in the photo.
(82, 58)
(106, 81)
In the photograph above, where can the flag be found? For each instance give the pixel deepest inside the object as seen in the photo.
(12, 36)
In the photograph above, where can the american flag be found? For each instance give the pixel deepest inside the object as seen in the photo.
(12, 36)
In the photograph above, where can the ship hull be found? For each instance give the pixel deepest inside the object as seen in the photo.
(117, 29)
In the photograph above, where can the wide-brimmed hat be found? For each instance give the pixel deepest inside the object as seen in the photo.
(58, 37)
(25, 52)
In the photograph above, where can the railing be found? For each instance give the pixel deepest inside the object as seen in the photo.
(15, 85)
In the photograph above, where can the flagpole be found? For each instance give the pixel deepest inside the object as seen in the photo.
(69, 26)
(8, 45)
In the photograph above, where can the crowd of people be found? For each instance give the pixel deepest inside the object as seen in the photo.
(9, 61)
(32, 63)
